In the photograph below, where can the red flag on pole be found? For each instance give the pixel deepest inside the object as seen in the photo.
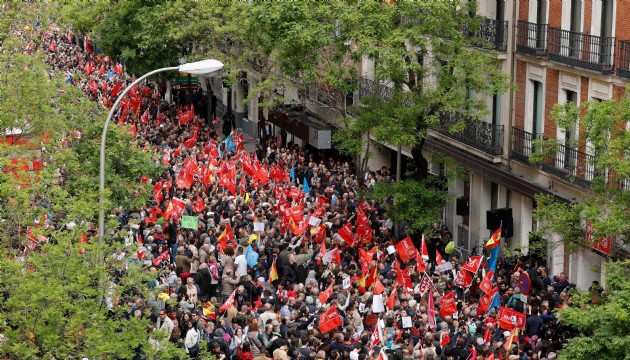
(391, 301)
(228, 303)
(486, 283)
(473, 263)
(160, 258)
(329, 320)
(463, 279)
(447, 304)
(406, 250)
(423, 249)
(324, 295)
(431, 310)
(346, 234)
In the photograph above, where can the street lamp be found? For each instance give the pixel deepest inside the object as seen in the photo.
(205, 68)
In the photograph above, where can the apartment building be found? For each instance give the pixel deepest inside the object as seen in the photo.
(555, 51)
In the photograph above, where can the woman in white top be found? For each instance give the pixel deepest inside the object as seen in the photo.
(192, 340)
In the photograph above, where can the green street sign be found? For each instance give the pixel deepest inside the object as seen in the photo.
(184, 80)
(190, 222)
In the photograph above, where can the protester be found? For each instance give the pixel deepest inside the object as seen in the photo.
(305, 268)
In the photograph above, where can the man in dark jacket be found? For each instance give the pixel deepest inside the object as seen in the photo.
(290, 271)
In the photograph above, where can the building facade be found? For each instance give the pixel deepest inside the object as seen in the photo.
(554, 52)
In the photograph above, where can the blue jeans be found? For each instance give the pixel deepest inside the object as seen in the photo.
(173, 252)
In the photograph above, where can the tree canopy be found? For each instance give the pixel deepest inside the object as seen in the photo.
(604, 136)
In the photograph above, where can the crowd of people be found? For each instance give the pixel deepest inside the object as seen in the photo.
(272, 254)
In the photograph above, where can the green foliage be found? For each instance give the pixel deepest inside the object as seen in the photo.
(605, 206)
(416, 204)
(604, 328)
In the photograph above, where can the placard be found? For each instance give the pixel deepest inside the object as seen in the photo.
(362, 308)
(190, 222)
(259, 226)
(346, 282)
(524, 298)
(391, 249)
(406, 322)
(377, 304)
(314, 221)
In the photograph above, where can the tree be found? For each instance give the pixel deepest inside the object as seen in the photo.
(50, 273)
(601, 318)
(424, 55)
(604, 206)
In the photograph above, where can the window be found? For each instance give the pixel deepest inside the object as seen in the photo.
(496, 109)
(500, 6)
(607, 18)
(541, 11)
(575, 27)
(537, 109)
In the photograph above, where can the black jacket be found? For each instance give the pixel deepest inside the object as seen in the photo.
(290, 273)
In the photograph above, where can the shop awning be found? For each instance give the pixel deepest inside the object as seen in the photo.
(303, 125)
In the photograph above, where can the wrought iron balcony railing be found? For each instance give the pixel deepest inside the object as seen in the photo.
(581, 50)
(623, 59)
(369, 87)
(478, 134)
(490, 34)
(567, 163)
(531, 38)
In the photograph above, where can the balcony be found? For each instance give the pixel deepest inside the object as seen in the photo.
(531, 38)
(581, 50)
(491, 34)
(478, 134)
(623, 59)
(369, 87)
(567, 163)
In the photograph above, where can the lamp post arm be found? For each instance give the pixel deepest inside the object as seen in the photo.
(101, 215)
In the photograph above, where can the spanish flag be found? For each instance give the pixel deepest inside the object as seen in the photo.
(513, 336)
(494, 239)
(273, 272)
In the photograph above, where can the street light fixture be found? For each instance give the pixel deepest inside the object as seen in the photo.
(205, 68)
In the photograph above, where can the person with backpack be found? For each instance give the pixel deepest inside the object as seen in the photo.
(515, 301)
(215, 275)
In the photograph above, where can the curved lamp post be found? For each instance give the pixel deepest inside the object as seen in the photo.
(205, 68)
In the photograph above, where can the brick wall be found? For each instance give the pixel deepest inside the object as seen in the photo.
(551, 99)
(523, 10)
(521, 72)
(588, 13)
(622, 27)
(555, 13)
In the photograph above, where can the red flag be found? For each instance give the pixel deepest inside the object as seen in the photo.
(487, 336)
(423, 249)
(361, 217)
(322, 252)
(376, 336)
(177, 151)
(190, 142)
(420, 265)
(425, 284)
(262, 174)
(332, 256)
(52, 47)
(321, 234)
(174, 209)
(115, 90)
(184, 179)
(324, 295)
(329, 320)
(486, 283)
(509, 318)
(93, 86)
(133, 130)
(101, 70)
(186, 116)
(145, 117)
(364, 231)
(88, 48)
(228, 303)
(159, 259)
(431, 310)
(346, 234)
(199, 205)
(463, 279)
(406, 250)
(322, 199)
(473, 263)
(486, 300)
(402, 276)
(447, 305)
(118, 68)
(378, 286)
(366, 260)
(391, 301)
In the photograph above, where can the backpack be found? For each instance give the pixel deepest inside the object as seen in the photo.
(516, 304)
(214, 272)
